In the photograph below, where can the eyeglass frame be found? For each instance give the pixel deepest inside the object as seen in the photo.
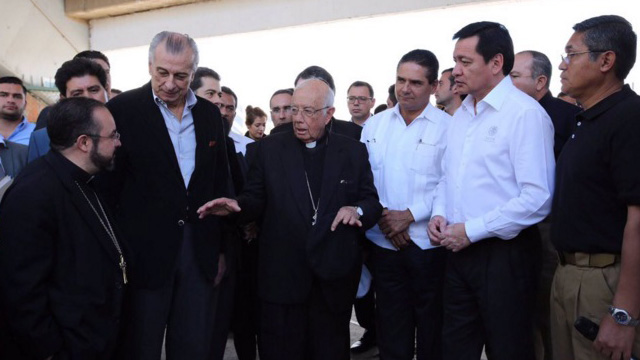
(359, 98)
(306, 111)
(567, 56)
(114, 136)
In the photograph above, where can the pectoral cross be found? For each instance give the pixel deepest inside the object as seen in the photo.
(123, 267)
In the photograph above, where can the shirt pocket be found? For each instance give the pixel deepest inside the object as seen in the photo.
(375, 150)
(426, 159)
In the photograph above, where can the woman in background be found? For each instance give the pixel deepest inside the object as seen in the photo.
(256, 120)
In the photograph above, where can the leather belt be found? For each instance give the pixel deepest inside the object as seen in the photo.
(588, 260)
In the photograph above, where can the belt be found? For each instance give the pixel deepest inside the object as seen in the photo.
(588, 260)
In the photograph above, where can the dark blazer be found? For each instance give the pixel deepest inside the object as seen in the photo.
(39, 144)
(152, 201)
(563, 116)
(276, 192)
(60, 282)
(13, 157)
(345, 128)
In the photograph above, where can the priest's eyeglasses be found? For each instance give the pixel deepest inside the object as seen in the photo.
(306, 111)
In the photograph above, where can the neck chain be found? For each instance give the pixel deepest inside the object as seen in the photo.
(313, 204)
(106, 225)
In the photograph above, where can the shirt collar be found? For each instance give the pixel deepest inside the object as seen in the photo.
(190, 103)
(495, 98)
(429, 113)
(606, 103)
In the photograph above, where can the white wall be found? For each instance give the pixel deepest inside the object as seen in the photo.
(37, 38)
(223, 17)
(255, 64)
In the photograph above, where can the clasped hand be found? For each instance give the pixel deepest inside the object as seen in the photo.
(453, 237)
(394, 224)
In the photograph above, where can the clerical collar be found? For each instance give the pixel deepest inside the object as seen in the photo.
(324, 139)
(76, 172)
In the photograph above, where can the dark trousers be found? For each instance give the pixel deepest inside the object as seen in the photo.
(183, 307)
(224, 297)
(365, 309)
(409, 301)
(245, 312)
(542, 332)
(489, 298)
(309, 331)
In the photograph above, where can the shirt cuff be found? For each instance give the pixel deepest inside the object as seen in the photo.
(438, 211)
(476, 230)
(419, 212)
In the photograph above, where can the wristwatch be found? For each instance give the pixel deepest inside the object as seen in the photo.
(359, 211)
(622, 317)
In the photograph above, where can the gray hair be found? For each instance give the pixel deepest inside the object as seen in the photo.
(175, 44)
(540, 65)
(329, 96)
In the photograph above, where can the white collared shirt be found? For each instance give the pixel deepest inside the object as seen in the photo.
(499, 166)
(182, 134)
(240, 142)
(406, 165)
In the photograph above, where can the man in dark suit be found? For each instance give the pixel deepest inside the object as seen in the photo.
(13, 157)
(62, 260)
(531, 73)
(314, 195)
(172, 160)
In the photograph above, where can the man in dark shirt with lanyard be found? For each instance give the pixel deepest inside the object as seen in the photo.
(596, 227)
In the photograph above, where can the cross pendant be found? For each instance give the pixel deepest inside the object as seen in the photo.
(123, 267)
(315, 218)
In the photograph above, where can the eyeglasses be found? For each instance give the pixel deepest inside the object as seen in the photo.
(114, 136)
(278, 110)
(307, 111)
(352, 99)
(566, 58)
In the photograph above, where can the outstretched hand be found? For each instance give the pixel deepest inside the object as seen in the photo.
(220, 207)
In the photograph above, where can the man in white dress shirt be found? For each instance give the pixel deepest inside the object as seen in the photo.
(406, 144)
(497, 184)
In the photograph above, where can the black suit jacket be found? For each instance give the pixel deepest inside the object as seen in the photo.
(148, 192)
(60, 282)
(563, 116)
(276, 192)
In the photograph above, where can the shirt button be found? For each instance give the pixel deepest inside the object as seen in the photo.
(180, 222)
(573, 136)
(579, 123)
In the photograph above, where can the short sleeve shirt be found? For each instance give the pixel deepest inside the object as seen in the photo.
(598, 176)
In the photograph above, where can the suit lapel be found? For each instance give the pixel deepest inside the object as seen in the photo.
(203, 141)
(331, 172)
(293, 165)
(157, 128)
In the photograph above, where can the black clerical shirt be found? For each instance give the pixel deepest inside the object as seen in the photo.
(598, 176)
(313, 158)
